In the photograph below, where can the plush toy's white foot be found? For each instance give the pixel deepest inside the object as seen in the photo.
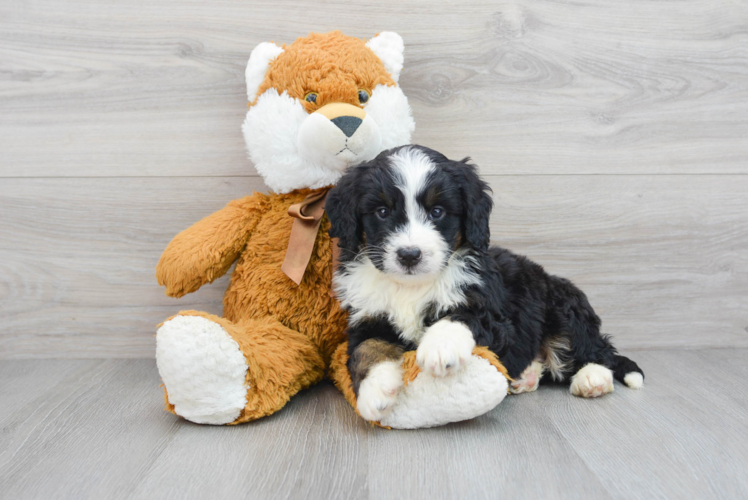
(430, 401)
(203, 370)
(529, 380)
(378, 391)
(591, 381)
(445, 348)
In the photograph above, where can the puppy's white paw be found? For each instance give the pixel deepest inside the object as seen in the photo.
(378, 391)
(634, 380)
(529, 380)
(591, 381)
(445, 348)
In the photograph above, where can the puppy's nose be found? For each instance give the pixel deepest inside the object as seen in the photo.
(409, 256)
(348, 124)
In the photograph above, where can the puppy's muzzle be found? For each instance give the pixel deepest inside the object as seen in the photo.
(409, 256)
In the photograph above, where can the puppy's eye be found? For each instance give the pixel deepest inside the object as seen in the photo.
(311, 97)
(382, 212)
(436, 213)
(363, 96)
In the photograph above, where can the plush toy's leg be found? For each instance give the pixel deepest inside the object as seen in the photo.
(219, 372)
(427, 401)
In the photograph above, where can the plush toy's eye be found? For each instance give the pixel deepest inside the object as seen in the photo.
(382, 212)
(311, 97)
(363, 96)
(436, 213)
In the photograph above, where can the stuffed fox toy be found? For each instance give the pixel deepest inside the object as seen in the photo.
(316, 107)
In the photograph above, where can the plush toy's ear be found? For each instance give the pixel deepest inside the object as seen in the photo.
(257, 66)
(476, 195)
(389, 48)
(342, 210)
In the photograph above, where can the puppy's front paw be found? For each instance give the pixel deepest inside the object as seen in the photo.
(378, 391)
(445, 348)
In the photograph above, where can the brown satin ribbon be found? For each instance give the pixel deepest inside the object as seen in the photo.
(307, 217)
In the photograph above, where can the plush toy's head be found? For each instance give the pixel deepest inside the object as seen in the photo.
(322, 104)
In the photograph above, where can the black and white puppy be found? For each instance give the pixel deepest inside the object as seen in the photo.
(416, 272)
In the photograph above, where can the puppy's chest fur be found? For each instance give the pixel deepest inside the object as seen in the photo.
(369, 293)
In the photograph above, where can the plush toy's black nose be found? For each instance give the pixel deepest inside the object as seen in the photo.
(409, 256)
(348, 124)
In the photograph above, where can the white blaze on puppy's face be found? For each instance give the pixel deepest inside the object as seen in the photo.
(412, 169)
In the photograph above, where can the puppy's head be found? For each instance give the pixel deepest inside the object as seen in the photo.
(408, 211)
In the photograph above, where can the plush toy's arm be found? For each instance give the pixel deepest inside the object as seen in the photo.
(205, 251)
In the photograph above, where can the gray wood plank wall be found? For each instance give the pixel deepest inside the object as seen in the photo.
(614, 134)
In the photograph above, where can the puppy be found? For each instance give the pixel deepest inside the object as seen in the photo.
(416, 272)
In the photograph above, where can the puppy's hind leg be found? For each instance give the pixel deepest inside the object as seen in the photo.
(627, 372)
(529, 380)
(592, 356)
(591, 381)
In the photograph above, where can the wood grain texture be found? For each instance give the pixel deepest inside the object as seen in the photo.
(662, 259)
(613, 134)
(156, 88)
(95, 428)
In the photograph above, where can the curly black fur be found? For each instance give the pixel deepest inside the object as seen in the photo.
(516, 310)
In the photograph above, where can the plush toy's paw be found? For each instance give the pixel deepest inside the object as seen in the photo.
(429, 401)
(203, 370)
(445, 348)
(529, 380)
(591, 381)
(377, 393)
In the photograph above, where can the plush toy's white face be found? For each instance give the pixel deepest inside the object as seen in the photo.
(303, 138)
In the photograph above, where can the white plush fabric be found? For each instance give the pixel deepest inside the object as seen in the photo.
(321, 142)
(270, 131)
(292, 149)
(389, 107)
(431, 401)
(203, 370)
(257, 66)
(389, 48)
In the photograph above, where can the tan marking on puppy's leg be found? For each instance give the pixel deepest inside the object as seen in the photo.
(377, 375)
(367, 354)
(555, 354)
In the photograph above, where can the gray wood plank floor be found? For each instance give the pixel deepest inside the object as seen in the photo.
(96, 429)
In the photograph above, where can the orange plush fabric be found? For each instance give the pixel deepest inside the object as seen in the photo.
(331, 64)
(287, 333)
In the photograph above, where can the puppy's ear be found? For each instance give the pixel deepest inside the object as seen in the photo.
(476, 195)
(342, 210)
